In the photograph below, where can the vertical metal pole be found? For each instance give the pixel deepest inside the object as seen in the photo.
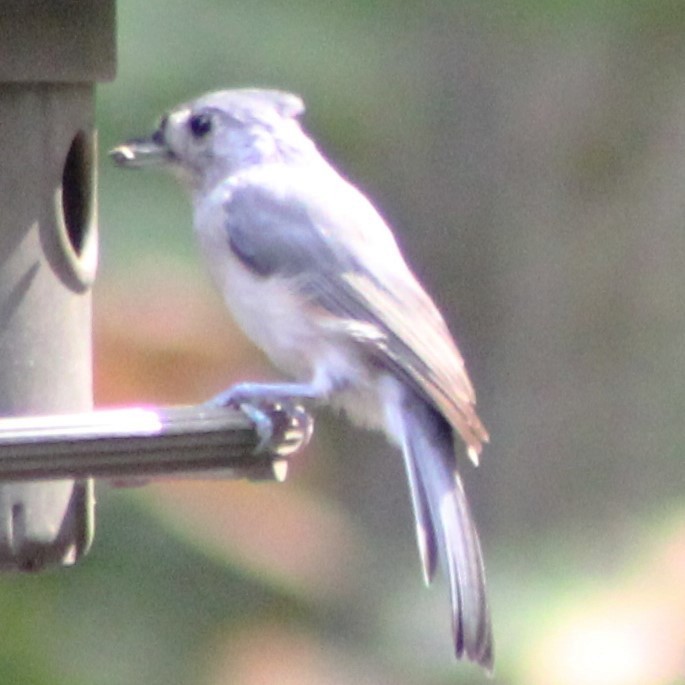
(51, 55)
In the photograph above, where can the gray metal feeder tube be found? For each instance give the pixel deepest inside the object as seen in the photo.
(51, 55)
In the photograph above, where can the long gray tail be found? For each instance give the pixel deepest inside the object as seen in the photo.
(445, 527)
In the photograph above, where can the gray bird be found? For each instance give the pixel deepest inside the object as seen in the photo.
(313, 275)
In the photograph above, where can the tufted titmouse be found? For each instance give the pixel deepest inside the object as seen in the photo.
(314, 276)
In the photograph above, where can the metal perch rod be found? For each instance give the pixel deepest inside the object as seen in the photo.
(148, 442)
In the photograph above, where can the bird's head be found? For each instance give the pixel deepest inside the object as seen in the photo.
(219, 134)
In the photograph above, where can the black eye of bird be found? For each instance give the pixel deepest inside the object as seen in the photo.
(200, 124)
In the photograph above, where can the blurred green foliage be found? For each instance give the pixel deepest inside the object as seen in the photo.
(530, 155)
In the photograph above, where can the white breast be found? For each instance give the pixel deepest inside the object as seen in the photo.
(269, 310)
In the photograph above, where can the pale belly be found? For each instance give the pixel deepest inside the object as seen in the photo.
(272, 316)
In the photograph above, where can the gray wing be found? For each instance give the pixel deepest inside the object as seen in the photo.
(343, 257)
(274, 237)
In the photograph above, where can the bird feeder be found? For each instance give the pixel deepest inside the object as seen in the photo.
(52, 53)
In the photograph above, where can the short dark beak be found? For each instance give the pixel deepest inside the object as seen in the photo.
(141, 153)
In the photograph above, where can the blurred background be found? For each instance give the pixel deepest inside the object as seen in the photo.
(531, 157)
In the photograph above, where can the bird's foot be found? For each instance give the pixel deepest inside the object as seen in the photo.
(281, 422)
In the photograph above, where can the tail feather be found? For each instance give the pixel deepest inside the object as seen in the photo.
(425, 531)
(445, 524)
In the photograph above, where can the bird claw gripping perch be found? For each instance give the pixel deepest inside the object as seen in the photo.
(283, 426)
(282, 423)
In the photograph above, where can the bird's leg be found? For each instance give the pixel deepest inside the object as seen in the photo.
(246, 392)
(281, 421)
